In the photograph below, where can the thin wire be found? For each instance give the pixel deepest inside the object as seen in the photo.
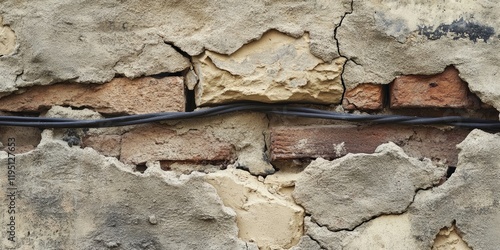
(277, 109)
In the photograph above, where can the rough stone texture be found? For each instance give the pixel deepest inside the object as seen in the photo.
(68, 112)
(444, 90)
(343, 193)
(274, 68)
(76, 197)
(7, 39)
(266, 218)
(283, 181)
(386, 39)
(384, 232)
(26, 138)
(92, 41)
(121, 95)
(324, 237)
(333, 141)
(160, 142)
(221, 140)
(448, 239)
(365, 96)
(469, 197)
(106, 141)
(108, 145)
(306, 243)
(153, 59)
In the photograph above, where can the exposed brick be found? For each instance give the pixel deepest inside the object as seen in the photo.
(444, 90)
(26, 138)
(109, 145)
(365, 96)
(159, 143)
(121, 95)
(288, 143)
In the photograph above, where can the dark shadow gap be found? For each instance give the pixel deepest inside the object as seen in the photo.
(190, 100)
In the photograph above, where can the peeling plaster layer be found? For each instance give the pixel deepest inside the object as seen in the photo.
(385, 39)
(448, 238)
(7, 39)
(268, 219)
(469, 197)
(383, 232)
(73, 196)
(89, 41)
(276, 68)
(344, 193)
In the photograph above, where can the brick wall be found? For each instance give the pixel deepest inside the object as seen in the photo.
(248, 180)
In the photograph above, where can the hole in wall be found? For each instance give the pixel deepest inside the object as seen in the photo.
(141, 168)
(190, 100)
(167, 74)
(188, 166)
(450, 171)
(386, 95)
(179, 50)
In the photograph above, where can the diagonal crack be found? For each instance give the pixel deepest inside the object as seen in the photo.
(317, 242)
(179, 50)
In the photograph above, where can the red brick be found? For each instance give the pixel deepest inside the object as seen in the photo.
(121, 95)
(365, 96)
(26, 138)
(108, 145)
(444, 90)
(303, 142)
(160, 143)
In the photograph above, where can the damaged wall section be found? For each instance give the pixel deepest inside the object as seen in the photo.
(249, 180)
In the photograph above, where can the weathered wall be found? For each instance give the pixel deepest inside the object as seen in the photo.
(249, 180)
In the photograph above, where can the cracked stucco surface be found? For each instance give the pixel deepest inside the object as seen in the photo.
(470, 197)
(386, 39)
(88, 41)
(97, 202)
(83, 41)
(263, 216)
(356, 202)
(7, 39)
(274, 68)
(344, 193)
(466, 202)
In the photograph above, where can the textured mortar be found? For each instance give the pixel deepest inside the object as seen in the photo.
(7, 39)
(76, 197)
(264, 217)
(343, 193)
(465, 203)
(274, 68)
(92, 41)
(48, 41)
(384, 40)
(469, 197)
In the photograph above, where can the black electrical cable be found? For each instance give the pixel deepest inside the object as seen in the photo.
(278, 109)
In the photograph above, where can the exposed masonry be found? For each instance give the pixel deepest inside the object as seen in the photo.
(223, 151)
(354, 228)
(363, 222)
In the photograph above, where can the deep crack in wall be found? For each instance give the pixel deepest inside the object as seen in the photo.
(249, 180)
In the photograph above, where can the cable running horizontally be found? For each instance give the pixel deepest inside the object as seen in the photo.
(278, 109)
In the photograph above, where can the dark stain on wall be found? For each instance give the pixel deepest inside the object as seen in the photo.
(458, 29)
